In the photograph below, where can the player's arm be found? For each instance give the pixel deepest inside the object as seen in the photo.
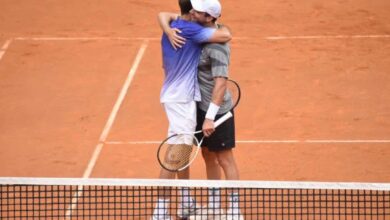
(216, 101)
(221, 35)
(219, 90)
(164, 19)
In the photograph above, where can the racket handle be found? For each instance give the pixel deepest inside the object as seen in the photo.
(223, 119)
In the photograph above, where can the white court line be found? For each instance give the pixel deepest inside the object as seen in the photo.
(107, 127)
(84, 38)
(326, 37)
(4, 48)
(115, 109)
(267, 142)
(271, 38)
(349, 141)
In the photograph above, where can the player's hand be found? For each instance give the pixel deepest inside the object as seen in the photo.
(175, 39)
(208, 127)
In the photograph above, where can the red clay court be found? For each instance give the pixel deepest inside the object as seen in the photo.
(80, 83)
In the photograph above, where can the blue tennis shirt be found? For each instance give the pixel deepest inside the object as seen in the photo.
(181, 65)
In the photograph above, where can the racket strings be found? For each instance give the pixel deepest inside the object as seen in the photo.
(178, 153)
(177, 156)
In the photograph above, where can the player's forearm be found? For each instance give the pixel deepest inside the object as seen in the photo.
(221, 35)
(217, 98)
(219, 90)
(164, 19)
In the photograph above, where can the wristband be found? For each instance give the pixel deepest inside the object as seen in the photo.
(212, 111)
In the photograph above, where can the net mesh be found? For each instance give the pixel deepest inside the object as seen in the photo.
(138, 199)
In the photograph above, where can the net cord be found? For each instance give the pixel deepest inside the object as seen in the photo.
(194, 183)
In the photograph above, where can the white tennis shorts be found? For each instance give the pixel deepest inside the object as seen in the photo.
(181, 117)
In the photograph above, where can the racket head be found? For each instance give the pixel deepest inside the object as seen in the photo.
(177, 152)
(233, 92)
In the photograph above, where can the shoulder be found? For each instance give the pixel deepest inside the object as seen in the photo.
(218, 47)
(180, 23)
(191, 27)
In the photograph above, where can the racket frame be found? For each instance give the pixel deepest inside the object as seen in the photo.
(221, 120)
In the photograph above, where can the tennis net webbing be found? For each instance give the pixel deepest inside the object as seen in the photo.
(65, 198)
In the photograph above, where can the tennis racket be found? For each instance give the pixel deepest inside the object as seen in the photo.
(178, 151)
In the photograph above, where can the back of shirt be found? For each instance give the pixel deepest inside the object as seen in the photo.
(180, 66)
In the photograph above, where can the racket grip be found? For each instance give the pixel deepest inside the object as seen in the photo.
(223, 119)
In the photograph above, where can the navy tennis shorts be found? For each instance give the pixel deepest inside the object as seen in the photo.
(223, 137)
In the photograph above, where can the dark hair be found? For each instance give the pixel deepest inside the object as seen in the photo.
(185, 6)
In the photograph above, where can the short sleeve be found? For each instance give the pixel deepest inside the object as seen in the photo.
(219, 57)
(203, 34)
